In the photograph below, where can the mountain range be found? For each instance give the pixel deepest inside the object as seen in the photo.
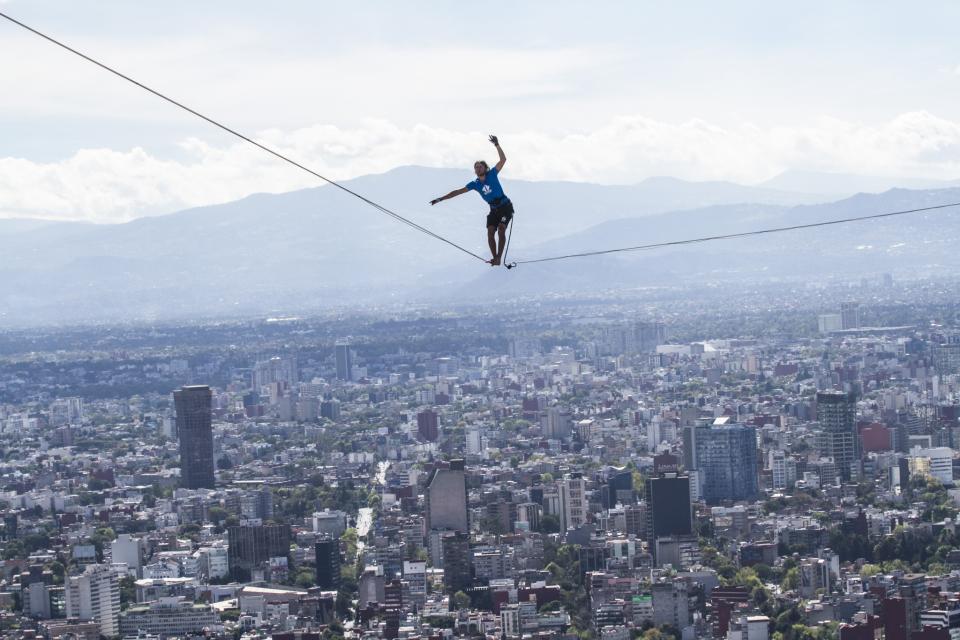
(321, 248)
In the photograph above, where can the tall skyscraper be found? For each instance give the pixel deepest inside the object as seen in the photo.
(328, 563)
(344, 361)
(195, 432)
(428, 425)
(95, 595)
(669, 512)
(850, 315)
(726, 462)
(837, 414)
(457, 574)
(277, 369)
(446, 499)
(573, 501)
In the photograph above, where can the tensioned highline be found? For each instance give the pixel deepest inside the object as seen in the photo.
(414, 225)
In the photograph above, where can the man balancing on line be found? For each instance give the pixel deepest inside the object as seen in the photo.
(488, 186)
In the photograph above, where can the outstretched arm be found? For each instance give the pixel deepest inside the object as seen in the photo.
(452, 194)
(503, 158)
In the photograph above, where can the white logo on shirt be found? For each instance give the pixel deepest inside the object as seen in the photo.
(486, 189)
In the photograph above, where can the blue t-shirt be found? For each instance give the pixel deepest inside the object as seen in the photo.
(490, 189)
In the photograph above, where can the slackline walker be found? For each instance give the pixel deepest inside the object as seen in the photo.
(487, 185)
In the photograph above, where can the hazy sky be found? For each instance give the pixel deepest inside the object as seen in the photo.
(700, 90)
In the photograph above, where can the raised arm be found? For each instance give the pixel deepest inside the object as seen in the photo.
(452, 194)
(503, 158)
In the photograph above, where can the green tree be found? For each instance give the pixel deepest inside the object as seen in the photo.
(304, 578)
(217, 514)
(461, 600)
(128, 591)
(791, 580)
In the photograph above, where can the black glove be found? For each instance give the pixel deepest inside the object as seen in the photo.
(494, 140)
(435, 200)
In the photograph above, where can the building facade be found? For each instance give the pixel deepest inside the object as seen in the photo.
(195, 432)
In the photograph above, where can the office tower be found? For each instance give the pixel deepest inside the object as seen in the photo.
(573, 501)
(330, 409)
(428, 425)
(328, 563)
(618, 488)
(64, 411)
(726, 462)
(446, 499)
(251, 545)
(276, 370)
(128, 550)
(556, 424)
(456, 562)
(690, 447)
(193, 405)
(344, 361)
(95, 595)
(946, 355)
(837, 414)
(669, 512)
(850, 315)
(631, 339)
(649, 335)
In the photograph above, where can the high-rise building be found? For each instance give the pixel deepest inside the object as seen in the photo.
(850, 315)
(457, 567)
(344, 358)
(65, 411)
(95, 595)
(330, 409)
(690, 445)
(276, 370)
(631, 339)
(837, 414)
(38, 597)
(446, 499)
(573, 501)
(669, 512)
(784, 470)
(556, 423)
(128, 550)
(428, 425)
(195, 431)
(251, 545)
(726, 462)
(328, 563)
(946, 355)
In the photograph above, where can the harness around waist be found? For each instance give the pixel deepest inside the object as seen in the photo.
(499, 202)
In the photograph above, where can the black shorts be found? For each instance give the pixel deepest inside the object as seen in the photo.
(500, 214)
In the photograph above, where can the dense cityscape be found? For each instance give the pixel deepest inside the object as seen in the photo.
(647, 464)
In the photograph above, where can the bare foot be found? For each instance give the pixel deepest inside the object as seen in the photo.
(495, 262)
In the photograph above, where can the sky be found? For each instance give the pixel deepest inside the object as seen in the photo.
(611, 93)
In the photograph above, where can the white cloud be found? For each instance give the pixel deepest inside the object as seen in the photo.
(110, 185)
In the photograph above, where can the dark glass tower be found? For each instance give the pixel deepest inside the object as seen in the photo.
(837, 413)
(726, 455)
(196, 436)
(328, 563)
(344, 357)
